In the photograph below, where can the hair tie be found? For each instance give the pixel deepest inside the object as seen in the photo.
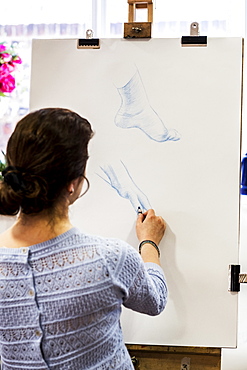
(13, 177)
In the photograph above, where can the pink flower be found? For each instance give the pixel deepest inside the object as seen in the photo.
(8, 64)
(2, 48)
(6, 57)
(7, 84)
(6, 69)
(16, 59)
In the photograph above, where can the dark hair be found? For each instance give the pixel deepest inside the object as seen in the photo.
(47, 150)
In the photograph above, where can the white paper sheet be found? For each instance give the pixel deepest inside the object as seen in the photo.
(167, 134)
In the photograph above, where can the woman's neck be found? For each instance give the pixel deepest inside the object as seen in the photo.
(33, 229)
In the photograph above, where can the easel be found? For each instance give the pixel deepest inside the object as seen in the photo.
(134, 29)
(161, 356)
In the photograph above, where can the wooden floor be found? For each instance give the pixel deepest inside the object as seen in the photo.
(174, 358)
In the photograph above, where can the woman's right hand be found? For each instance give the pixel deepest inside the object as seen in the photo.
(150, 227)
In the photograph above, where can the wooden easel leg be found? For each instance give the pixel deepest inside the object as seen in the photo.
(131, 15)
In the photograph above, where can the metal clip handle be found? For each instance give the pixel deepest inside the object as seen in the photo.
(89, 34)
(194, 29)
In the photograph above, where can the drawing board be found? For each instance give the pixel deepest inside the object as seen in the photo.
(167, 123)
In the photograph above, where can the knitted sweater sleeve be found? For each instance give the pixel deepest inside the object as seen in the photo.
(143, 284)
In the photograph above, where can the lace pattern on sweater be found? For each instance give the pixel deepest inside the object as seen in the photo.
(60, 303)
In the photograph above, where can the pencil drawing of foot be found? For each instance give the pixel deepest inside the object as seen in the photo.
(136, 112)
(119, 178)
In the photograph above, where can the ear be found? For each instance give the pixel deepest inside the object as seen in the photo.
(71, 187)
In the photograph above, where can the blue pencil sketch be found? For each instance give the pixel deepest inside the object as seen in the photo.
(119, 178)
(136, 112)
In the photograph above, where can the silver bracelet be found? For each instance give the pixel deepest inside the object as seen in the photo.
(149, 242)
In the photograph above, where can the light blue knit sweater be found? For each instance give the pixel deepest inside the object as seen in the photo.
(60, 302)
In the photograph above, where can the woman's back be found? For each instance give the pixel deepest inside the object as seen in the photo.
(60, 302)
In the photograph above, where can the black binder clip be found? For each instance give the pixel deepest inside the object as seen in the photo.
(89, 42)
(235, 278)
(194, 39)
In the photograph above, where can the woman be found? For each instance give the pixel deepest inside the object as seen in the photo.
(61, 290)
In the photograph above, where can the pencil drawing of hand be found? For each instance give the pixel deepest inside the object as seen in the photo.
(136, 112)
(118, 177)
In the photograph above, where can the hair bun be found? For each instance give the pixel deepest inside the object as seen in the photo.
(13, 177)
(24, 183)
